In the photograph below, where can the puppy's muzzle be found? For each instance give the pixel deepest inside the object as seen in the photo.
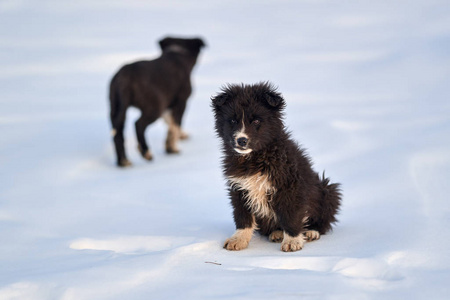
(242, 142)
(241, 145)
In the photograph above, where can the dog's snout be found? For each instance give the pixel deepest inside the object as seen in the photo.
(242, 141)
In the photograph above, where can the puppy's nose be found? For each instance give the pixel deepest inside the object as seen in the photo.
(242, 141)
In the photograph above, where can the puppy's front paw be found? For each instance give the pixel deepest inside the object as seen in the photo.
(236, 243)
(291, 244)
(239, 240)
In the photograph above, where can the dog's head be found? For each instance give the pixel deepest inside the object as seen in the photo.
(191, 46)
(248, 117)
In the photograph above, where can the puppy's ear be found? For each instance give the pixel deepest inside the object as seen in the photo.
(200, 43)
(274, 99)
(165, 42)
(219, 99)
(268, 94)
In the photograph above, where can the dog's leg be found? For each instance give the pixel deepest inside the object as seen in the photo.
(245, 224)
(276, 236)
(183, 134)
(118, 138)
(240, 239)
(141, 124)
(173, 128)
(292, 243)
(312, 235)
(173, 133)
(176, 116)
(292, 221)
(118, 123)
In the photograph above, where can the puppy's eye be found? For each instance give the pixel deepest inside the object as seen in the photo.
(256, 122)
(233, 121)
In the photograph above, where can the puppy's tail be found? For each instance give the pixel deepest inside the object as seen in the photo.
(113, 100)
(118, 109)
(330, 202)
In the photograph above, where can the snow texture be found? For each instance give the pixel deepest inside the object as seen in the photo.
(367, 91)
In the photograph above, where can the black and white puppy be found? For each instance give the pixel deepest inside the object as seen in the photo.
(157, 87)
(272, 185)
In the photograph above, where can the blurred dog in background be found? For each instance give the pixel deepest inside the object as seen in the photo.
(159, 87)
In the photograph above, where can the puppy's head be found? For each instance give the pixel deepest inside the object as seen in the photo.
(192, 46)
(248, 117)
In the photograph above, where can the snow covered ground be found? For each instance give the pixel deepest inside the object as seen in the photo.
(367, 89)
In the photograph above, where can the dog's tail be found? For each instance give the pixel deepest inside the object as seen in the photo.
(113, 100)
(330, 202)
(117, 112)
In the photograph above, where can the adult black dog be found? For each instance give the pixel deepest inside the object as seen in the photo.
(273, 187)
(156, 87)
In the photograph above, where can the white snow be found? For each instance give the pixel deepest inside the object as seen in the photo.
(367, 89)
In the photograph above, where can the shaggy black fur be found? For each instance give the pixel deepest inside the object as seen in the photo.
(300, 200)
(155, 87)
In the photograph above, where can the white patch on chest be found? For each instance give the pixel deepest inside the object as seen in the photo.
(258, 191)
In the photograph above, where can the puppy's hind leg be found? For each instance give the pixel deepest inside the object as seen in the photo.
(312, 235)
(118, 123)
(276, 236)
(141, 124)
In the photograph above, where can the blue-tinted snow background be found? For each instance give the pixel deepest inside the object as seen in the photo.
(367, 85)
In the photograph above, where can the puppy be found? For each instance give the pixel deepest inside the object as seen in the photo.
(156, 87)
(272, 185)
